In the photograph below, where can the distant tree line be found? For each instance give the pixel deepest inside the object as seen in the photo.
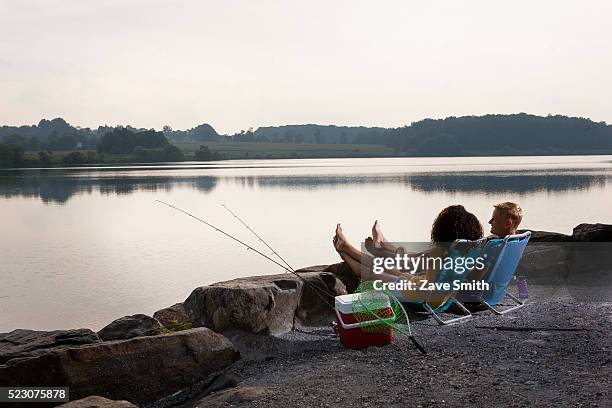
(313, 134)
(146, 146)
(141, 146)
(124, 141)
(53, 142)
(49, 135)
(518, 134)
(200, 133)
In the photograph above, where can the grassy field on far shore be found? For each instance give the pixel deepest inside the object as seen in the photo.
(260, 150)
(227, 150)
(58, 155)
(255, 150)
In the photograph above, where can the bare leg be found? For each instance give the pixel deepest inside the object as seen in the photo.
(355, 266)
(364, 272)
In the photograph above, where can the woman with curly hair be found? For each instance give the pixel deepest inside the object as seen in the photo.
(452, 223)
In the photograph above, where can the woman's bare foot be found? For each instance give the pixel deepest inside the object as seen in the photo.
(339, 239)
(377, 235)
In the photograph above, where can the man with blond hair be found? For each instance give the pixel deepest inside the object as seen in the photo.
(505, 219)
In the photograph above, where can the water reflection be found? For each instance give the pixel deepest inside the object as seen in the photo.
(459, 182)
(505, 183)
(59, 187)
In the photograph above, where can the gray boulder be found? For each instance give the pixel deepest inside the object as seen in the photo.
(24, 343)
(593, 233)
(172, 315)
(260, 304)
(343, 272)
(96, 401)
(128, 327)
(317, 297)
(140, 370)
(545, 263)
(545, 236)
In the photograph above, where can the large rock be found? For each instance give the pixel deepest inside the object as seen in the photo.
(24, 343)
(96, 401)
(172, 315)
(343, 272)
(545, 263)
(128, 327)
(317, 297)
(139, 370)
(593, 233)
(545, 236)
(259, 304)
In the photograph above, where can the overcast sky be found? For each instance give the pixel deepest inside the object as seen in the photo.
(237, 64)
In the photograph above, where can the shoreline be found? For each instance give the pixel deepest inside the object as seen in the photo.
(266, 341)
(190, 161)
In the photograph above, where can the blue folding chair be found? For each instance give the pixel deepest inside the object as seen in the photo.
(436, 302)
(503, 256)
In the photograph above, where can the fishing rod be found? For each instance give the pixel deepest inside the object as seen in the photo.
(287, 268)
(258, 237)
(314, 289)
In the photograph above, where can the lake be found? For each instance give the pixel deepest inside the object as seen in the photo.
(82, 247)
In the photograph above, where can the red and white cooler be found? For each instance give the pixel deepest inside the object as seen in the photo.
(364, 319)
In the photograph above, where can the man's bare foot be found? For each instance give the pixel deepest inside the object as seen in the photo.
(377, 235)
(369, 244)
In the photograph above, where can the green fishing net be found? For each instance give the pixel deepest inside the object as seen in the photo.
(379, 311)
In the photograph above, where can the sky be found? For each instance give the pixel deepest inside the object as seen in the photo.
(240, 64)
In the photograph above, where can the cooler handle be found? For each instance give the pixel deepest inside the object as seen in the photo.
(367, 323)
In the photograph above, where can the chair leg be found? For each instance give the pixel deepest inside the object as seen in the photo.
(519, 304)
(449, 321)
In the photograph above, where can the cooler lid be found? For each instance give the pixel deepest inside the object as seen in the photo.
(359, 302)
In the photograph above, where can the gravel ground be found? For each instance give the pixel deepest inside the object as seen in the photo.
(554, 351)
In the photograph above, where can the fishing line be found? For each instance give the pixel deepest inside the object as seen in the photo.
(313, 288)
(320, 289)
(258, 237)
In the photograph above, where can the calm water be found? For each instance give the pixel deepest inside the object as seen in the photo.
(81, 247)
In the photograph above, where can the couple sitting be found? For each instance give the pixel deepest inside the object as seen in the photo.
(453, 222)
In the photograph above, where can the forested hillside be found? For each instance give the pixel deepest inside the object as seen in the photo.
(516, 134)
(519, 134)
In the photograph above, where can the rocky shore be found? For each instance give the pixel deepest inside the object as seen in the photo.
(266, 341)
